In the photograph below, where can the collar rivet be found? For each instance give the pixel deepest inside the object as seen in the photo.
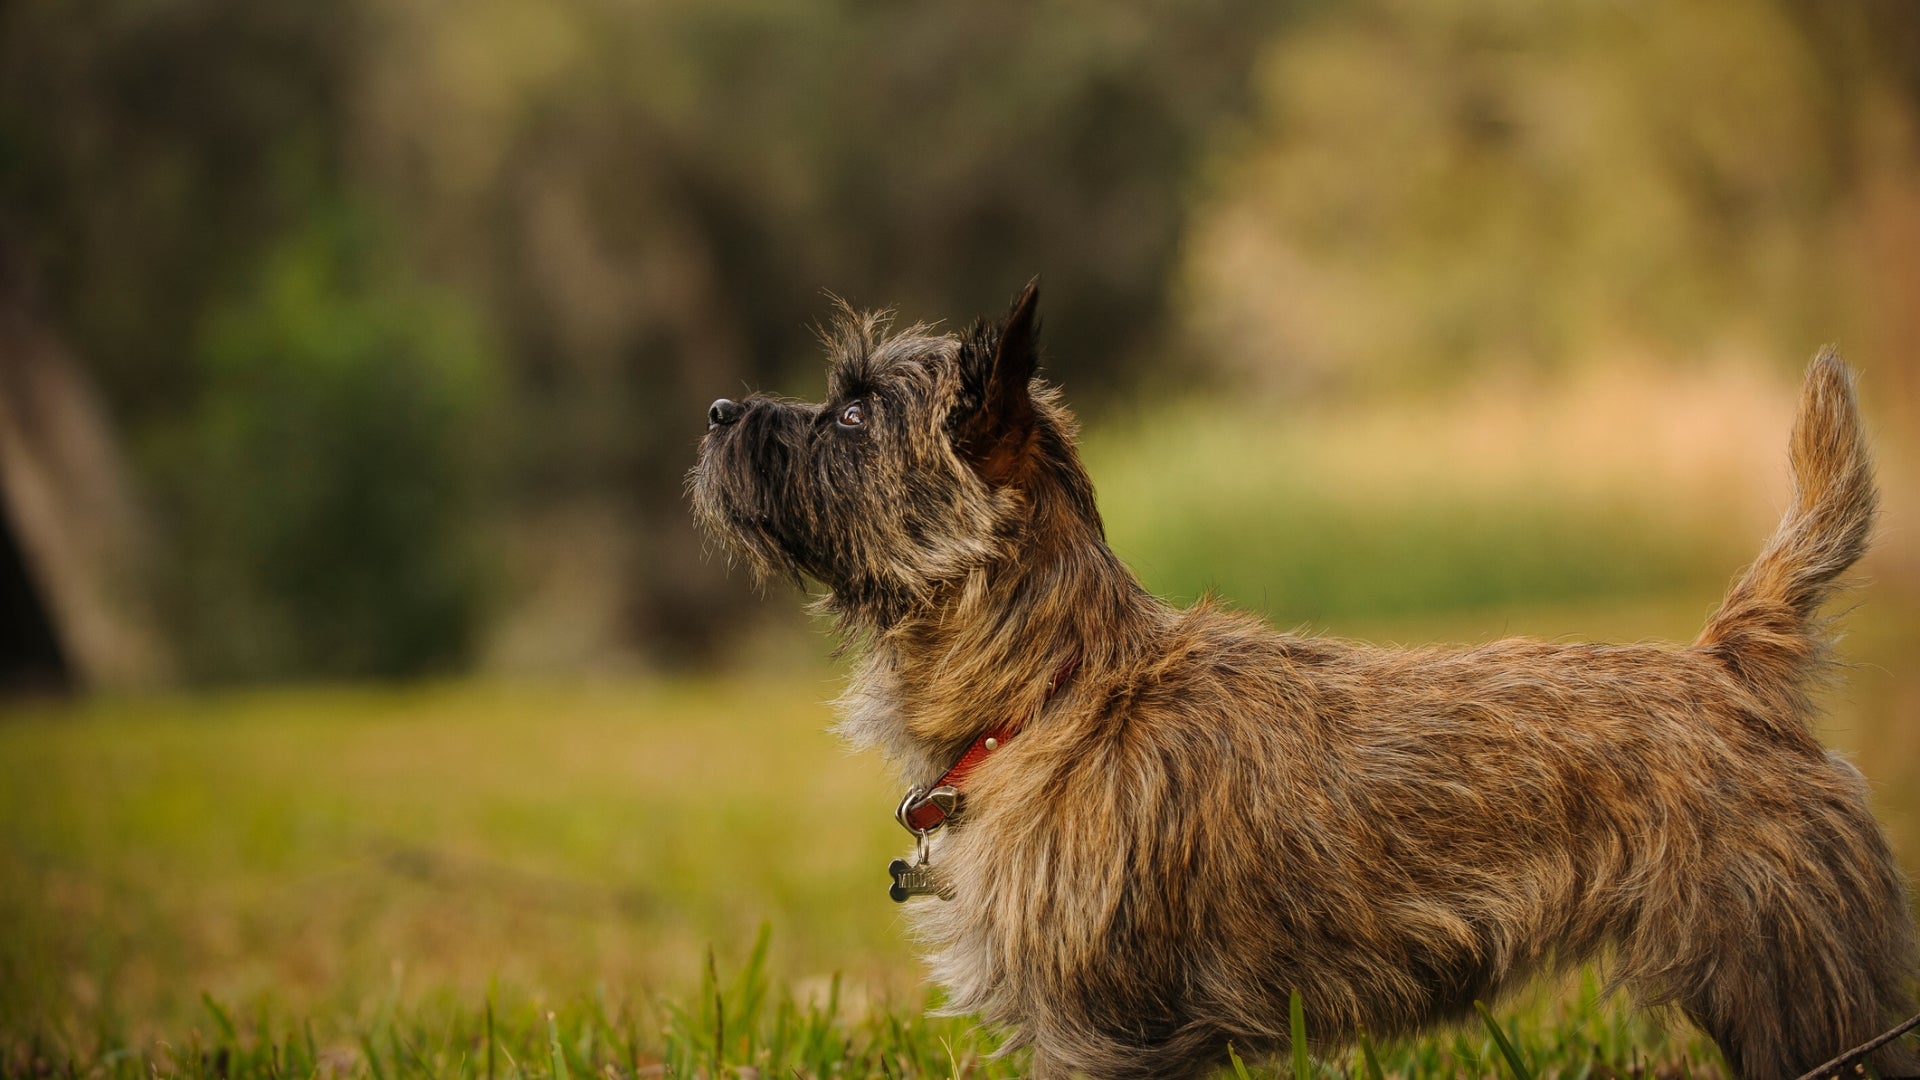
(992, 744)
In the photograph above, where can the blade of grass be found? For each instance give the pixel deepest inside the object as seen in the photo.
(1507, 1050)
(560, 1070)
(404, 1055)
(751, 989)
(220, 1017)
(719, 1013)
(1367, 1060)
(373, 1056)
(1297, 1022)
(1239, 1067)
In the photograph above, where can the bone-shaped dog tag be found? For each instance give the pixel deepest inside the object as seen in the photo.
(916, 879)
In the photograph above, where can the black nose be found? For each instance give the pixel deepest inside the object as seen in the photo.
(723, 412)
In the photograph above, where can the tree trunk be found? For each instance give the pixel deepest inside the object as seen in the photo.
(74, 551)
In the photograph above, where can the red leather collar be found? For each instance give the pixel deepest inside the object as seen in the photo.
(926, 809)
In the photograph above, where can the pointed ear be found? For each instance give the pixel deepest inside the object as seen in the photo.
(996, 437)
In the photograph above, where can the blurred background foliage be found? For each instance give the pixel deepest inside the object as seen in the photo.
(405, 313)
(1429, 185)
(324, 483)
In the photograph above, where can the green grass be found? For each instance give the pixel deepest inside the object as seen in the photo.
(746, 1025)
(731, 1027)
(306, 846)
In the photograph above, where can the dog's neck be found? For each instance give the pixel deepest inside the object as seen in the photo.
(934, 681)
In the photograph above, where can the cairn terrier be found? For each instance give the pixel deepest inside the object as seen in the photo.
(1141, 828)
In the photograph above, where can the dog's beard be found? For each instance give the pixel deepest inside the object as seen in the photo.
(738, 488)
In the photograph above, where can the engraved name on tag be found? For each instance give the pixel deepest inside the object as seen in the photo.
(916, 879)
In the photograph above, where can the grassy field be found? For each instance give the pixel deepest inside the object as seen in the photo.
(655, 877)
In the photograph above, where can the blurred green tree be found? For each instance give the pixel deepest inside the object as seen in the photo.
(326, 486)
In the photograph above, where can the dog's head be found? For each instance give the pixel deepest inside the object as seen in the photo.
(933, 455)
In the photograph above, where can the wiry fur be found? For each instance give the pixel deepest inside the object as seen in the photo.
(1210, 815)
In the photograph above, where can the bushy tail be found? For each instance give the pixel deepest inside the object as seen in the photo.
(1767, 630)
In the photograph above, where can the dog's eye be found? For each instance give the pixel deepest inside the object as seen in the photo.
(854, 415)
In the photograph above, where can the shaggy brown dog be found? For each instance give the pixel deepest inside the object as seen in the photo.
(1173, 818)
